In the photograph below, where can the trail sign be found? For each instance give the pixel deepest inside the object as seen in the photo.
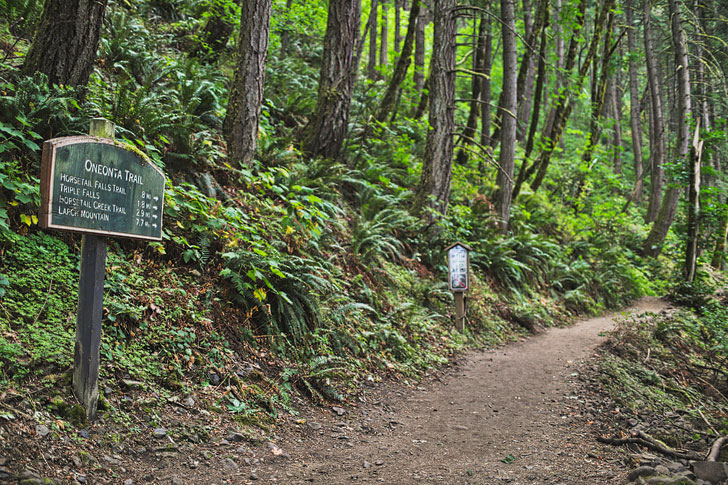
(92, 185)
(458, 262)
(458, 267)
(95, 185)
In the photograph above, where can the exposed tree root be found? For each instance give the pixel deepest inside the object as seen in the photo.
(642, 438)
(715, 449)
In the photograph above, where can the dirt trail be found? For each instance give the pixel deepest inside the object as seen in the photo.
(509, 415)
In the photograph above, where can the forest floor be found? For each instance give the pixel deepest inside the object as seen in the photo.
(516, 414)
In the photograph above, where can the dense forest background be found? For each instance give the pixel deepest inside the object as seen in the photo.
(321, 155)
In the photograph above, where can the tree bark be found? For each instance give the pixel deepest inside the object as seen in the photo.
(634, 104)
(372, 72)
(397, 25)
(526, 98)
(433, 190)
(616, 107)
(246, 95)
(486, 83)
(508, 109)
(653, 244)
(400, 71)
(419, 75)
(65, 43)
(657, 134)
(325, 132)
(539, 91)
(526, 62)
(216, 34)
(285, 34)
(384, 42)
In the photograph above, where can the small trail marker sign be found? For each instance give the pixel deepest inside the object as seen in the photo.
(458, 258)
(458, 266)
(93, 185)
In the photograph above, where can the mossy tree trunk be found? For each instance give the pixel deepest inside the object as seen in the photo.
(65, 43)
(246, 96)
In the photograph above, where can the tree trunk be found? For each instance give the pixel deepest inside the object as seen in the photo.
(325, 132)
(600, 80)
(468, 137)
(653, 244)
(508, 107)
(246, 94)
(539, 91)
(526, 63)
(419, 75)
(434, 186)
(65, 43)
(285, 33)
(566, 105)
(372, 72)
(657, 134)
(526, 98)
(397, 25)
(616, 107)
(384, 42)
(486, 84)
(720, 259)
(218, 29)
(634, 105)
(400, 71)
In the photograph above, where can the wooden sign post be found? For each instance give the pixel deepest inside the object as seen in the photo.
(92, 185)
(458, 258)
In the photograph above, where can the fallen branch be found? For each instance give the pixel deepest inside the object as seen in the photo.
(715, 449)
(648, 441)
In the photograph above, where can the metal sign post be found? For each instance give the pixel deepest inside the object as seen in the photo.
(458, 257)
(89, 184)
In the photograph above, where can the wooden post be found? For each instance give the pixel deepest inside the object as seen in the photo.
(460, 311)
(90, 305)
